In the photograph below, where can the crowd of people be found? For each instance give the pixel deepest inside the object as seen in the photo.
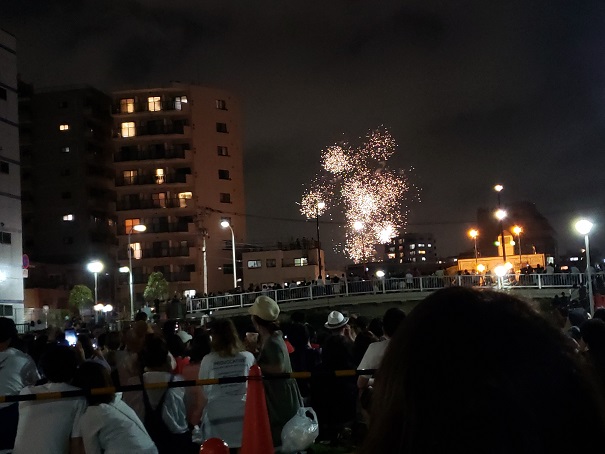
(468, 370)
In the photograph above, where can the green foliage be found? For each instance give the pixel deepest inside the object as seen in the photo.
(157, 287)
(80, 296)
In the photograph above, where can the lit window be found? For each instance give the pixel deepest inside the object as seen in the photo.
(183, 197)
(127, 105)
(424, 259)
(64, 127)
(225, 197)
(130, 176)
(179, 101)
(137, 252)
(392, 256)
(255, 264)
(421, 252)
(429, 245)
(65, 149)
(412, 246)
(221, 104)
(68, 217)
(130, 223)
(159, 176)
(154, 104)
(222, 151)
(159, 200)
(128, 129)
(420, 244)
(300, 262)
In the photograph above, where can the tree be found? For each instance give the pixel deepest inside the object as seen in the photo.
(80, 296)
(157, 287)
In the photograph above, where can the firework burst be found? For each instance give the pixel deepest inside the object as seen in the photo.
(372, 197)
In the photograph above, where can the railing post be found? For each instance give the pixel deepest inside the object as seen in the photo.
(384, 285)
(241, 300)
(459, 279)
(311, 291)
(421, 286)
(539, 281)
(346, 287)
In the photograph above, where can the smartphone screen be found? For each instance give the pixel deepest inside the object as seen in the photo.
(70, 336)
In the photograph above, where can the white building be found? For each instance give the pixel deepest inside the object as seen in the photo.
(11, 262)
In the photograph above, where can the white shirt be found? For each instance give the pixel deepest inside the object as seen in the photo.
(48, 425)
(115, 429)
(373, 356)
(223, 415)
(17, 370)
(174, 414)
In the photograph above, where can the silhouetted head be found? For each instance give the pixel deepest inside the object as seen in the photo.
(482, 372)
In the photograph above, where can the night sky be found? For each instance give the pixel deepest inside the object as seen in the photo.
(474, 92)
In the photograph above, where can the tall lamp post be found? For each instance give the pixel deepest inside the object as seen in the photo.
(474, 233)
(95, 267)
(134, 228)
(517, 230)
(584, 226)
(318, 209)
(225, 224)
(498, 188)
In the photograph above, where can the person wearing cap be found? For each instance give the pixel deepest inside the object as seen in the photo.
(283, 397)
(17, 370)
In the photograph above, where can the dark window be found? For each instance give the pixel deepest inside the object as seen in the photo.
(228, 268)
(222, 151)
(2, 93)
(221, 127)
(3, 167)
(271, 263)
(225, 197)
(221, 104)
(223, 174)
(66, 195)
(5, 238)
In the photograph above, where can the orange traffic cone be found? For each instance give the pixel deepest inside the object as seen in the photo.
(214, 446)
(256, 438)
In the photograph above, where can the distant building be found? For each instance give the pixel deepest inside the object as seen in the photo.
(67, 186)
(11, 262)
(537, 236)
(281, 264)
(178, 171)
(411, 248)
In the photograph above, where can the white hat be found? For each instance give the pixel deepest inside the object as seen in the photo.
(185, 336)
(336, 320)
(265, 308)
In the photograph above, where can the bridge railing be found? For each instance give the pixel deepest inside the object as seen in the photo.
(393, 285)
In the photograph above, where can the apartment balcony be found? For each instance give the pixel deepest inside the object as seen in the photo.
(148, 131)
(142, 107)
(153, 179)
(156, 253)
(171, 227)
(126, 205)
(152, 155)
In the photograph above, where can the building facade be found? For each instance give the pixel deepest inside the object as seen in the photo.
(11, 262)
(67, 183)
(178, 164)
(411, 248)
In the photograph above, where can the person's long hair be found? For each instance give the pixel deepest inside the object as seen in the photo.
(482, 372)
(225, 341)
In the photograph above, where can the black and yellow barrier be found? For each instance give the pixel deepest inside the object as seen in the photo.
(179, 384)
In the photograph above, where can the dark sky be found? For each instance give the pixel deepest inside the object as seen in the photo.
(475, 92)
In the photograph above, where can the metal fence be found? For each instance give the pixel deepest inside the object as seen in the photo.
(393, 285)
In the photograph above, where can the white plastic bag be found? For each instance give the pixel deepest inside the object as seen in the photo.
(300, 432)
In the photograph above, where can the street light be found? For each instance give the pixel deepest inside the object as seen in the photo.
(474, 233)
(584, 226)
(358, 225)
(320, 206)
(45, 309)
(498, 188)
(134, 228)
(517, 230)
(95, 267)
(97, 308)
(225, 224)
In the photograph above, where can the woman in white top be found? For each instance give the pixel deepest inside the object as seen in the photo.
(223, 415)
(109, 426)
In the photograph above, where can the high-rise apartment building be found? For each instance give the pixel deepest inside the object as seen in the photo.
(411, 248)
(67, 184)
(11, 262)
(179, 171)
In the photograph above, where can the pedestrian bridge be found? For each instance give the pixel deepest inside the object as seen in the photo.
(372, 291)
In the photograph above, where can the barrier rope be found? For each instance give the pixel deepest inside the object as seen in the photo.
(180, 384)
